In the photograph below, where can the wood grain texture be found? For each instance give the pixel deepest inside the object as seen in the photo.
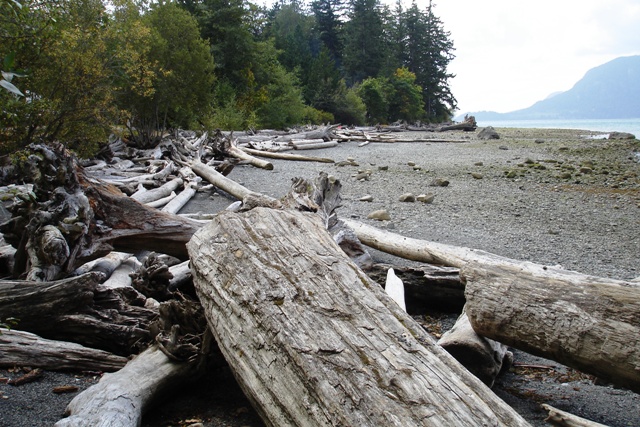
(314, 342)
(586, 322)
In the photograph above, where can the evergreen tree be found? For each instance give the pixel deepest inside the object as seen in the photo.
(365, 48)
(427, 53)
(328, 26)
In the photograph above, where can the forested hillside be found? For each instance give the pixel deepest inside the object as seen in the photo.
(76, 70)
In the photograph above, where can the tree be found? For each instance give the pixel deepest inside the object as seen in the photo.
(182, 74)
(68, 95)
(373, 92)
(405, 97)
(328, 27)
(427, 53)
(364, 45)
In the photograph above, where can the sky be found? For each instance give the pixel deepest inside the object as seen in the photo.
(511, 54)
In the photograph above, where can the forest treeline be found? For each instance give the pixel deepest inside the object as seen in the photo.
(76, 70)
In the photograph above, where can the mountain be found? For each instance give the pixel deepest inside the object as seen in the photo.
(609, 91)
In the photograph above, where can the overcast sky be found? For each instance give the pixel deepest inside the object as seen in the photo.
(511, 54)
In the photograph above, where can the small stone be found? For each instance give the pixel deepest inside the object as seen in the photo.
(565, 175)
(363, 176)
(477, 175)
(439, 182)
(411, 164)
(539, 141)
(478, 164)
(383, 168)
(426, 198)
(585, 169)
(417, 168)
(380, 215)
(503, 147)
(351, 159)
(367, 198)
(407, 197)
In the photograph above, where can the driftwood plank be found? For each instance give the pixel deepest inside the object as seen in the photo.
(313, 341)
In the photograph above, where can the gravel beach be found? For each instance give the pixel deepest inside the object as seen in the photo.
(555, 197)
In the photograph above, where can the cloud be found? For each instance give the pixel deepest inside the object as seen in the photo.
(508, 55)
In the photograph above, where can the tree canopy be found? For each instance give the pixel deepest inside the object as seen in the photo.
(77, 70)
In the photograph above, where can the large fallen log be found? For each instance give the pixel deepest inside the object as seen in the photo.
(581, 321)
(313, 341)
(589, 323)
(21, 348)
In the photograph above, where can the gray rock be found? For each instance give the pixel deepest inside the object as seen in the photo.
(488, 133)
(426, 198)
(439, 182)
(407, 197)
(621, 135)
(477, 175)
(367, 198)
(380, 215)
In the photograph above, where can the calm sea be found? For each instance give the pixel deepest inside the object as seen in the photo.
(617, 125)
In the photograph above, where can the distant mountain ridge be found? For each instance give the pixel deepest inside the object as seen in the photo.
(609, 91)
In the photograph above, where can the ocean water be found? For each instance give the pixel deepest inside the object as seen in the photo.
(600, 125)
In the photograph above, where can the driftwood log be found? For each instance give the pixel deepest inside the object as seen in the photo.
(120, 398)
(483, 357)
(21, 348)
(313, 341)
(585, 322)
(79, 310)
(589, 323)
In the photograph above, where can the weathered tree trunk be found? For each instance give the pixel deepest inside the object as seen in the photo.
(120, 398)
(286, 156)
(315, 146)
(586, 322)
(481, 356)
(313, 341)
(21, 348)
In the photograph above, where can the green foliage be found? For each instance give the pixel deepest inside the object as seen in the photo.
(177, 88)
(63, 46)
(373, 92)
(8, 323)
(405, 97)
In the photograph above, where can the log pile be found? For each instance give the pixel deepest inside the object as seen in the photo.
(281, 288)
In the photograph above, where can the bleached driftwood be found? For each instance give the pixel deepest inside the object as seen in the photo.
(575, 319)
(120, 398)
(161, 202)
(181, 199)
(313, 341)
(158, 193)
(244, 155)
(286, 156)
(561, 418)
(589, 323)
(19, 348)
(481, 356)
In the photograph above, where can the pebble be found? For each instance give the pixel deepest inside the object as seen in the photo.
(367, 198)
(380, 215)
(439, 182)
(407, 197)
(426, 198)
